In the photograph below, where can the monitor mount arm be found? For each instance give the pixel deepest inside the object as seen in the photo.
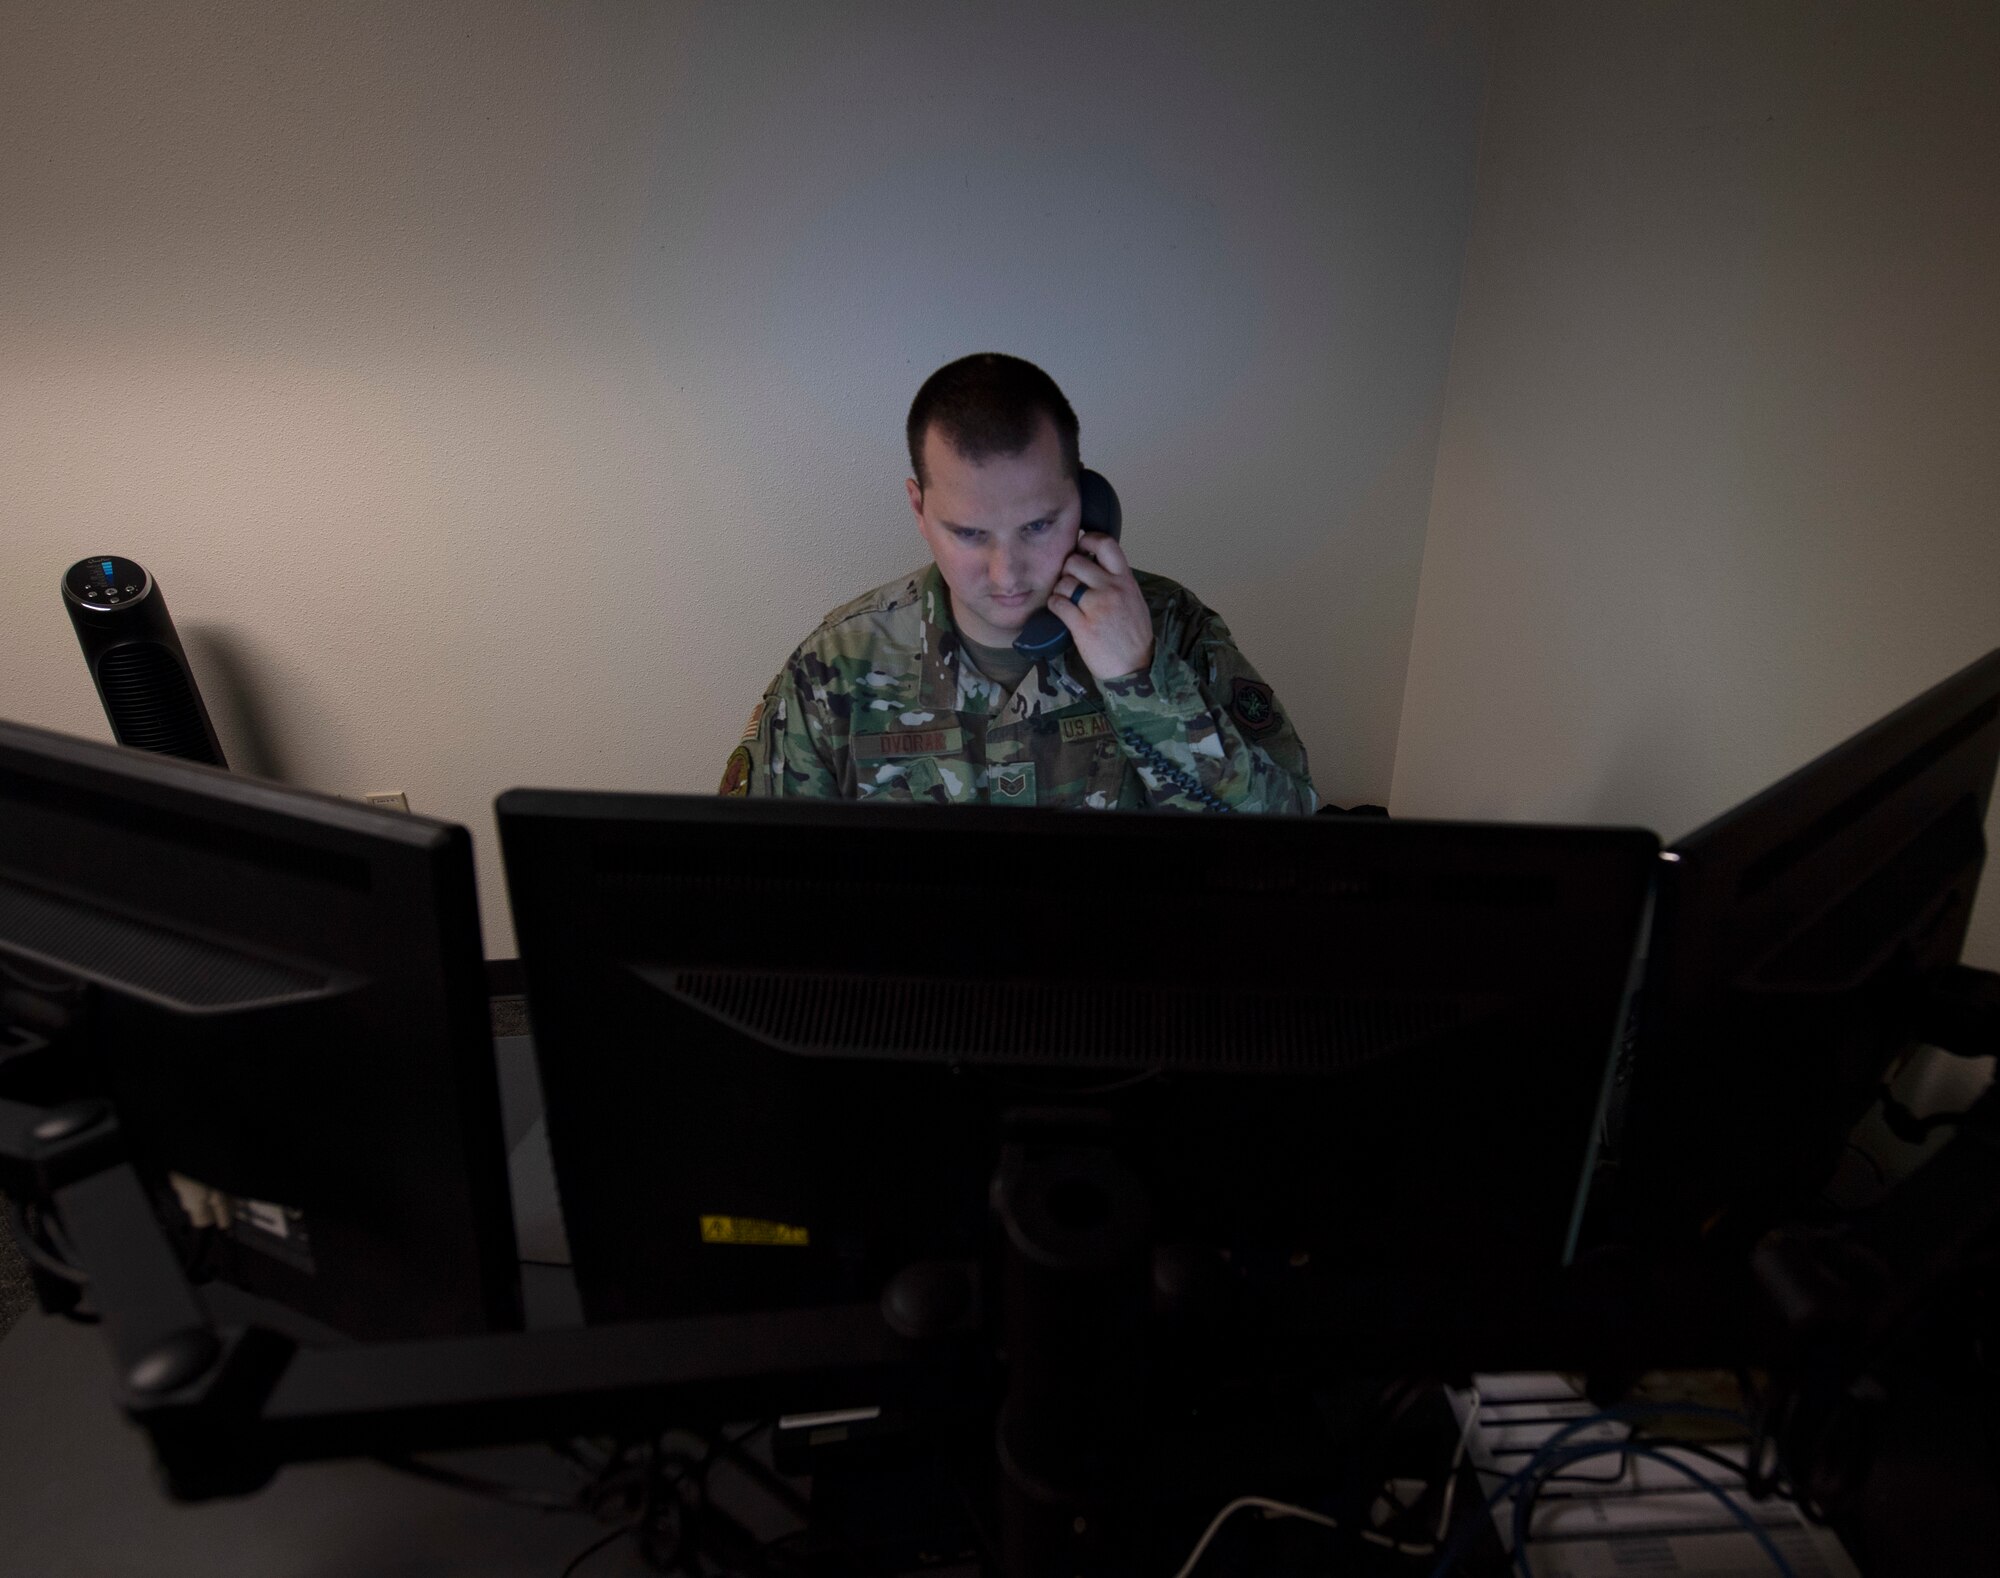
(225, 1408)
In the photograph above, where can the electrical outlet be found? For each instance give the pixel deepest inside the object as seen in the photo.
(389, 799)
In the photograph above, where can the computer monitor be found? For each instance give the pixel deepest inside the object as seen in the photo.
(1792, 941)
(282, 993)
(783, 1043)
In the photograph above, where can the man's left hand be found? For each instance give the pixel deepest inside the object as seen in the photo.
(1111, 626)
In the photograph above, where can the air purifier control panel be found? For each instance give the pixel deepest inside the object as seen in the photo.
(105, 582)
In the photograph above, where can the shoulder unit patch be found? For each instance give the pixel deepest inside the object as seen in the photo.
(736, 773)
(1253, 707)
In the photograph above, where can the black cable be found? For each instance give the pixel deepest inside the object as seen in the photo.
(650, 1511)
(660, 1498)
(1758, 1483)
(58, 1236)
(1571, 1477)
(983, 1542)
(52, 1265)
(588, 1498)
(1780, 1491)
(198, 1263)
(1398, 1508)
(592, 1496)
(595, 1546)
(616, 1480)
(32, 1248)
(731, 1447)
(1391, 1407)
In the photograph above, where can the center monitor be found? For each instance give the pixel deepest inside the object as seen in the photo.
(783, 1043)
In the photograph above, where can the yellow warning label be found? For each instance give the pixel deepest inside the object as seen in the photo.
(748, 1230)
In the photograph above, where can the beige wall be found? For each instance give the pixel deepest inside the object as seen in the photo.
(1719, 475)
(499, 391)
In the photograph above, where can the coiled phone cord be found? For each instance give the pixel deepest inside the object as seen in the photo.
(1184, 781)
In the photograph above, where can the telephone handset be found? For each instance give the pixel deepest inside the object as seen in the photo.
(1044, 634)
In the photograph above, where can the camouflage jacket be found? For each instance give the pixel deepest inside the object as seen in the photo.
(880, 703)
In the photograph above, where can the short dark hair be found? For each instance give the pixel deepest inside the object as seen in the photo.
(986, 405)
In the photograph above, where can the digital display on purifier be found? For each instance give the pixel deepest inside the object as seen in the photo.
(105, 582)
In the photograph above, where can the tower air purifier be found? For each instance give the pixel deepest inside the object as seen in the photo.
(136, 659)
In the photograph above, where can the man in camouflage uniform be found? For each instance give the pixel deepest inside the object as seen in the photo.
(914, 691)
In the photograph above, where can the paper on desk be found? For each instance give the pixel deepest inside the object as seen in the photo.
(1648, 1519)
(1813, 1553)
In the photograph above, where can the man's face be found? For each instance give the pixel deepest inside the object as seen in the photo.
(999, 531)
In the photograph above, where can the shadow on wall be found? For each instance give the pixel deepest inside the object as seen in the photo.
(238, 700)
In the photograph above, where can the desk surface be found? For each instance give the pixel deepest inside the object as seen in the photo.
(77, 1497)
